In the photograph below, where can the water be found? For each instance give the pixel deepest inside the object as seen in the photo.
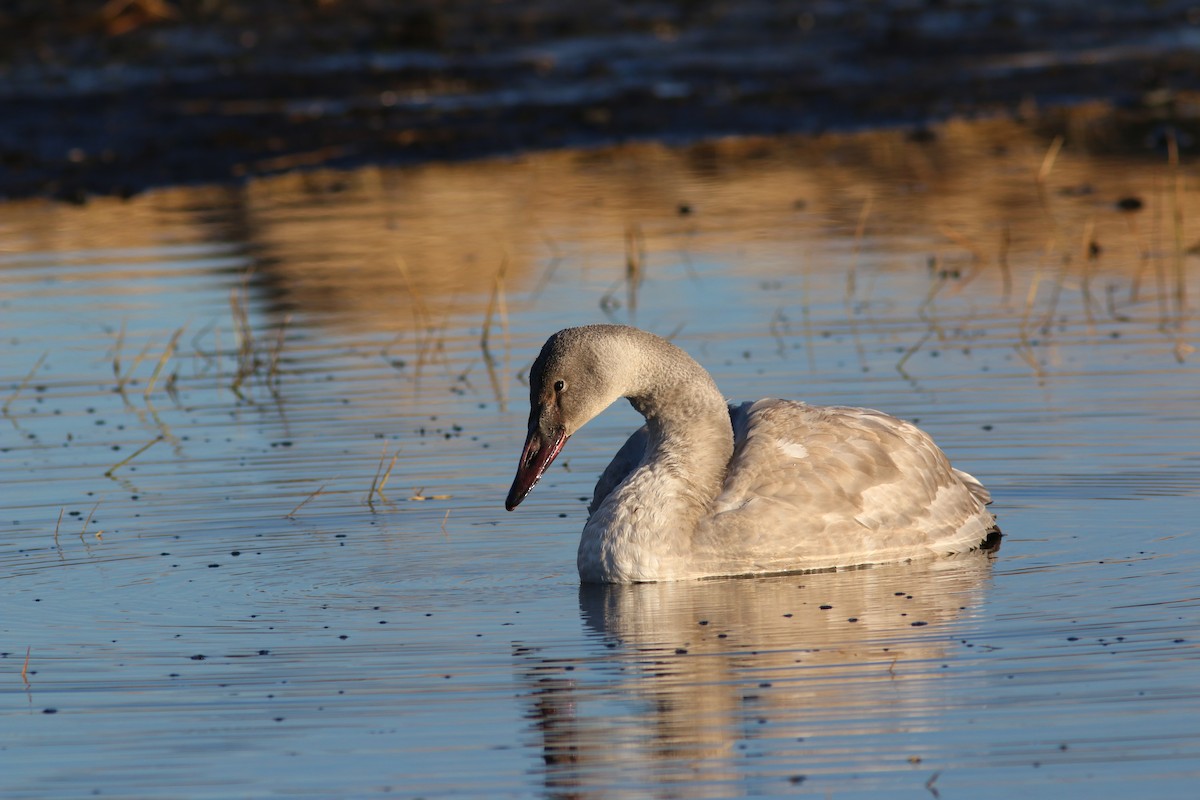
(218, 583)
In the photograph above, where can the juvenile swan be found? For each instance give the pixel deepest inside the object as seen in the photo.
(705, 489)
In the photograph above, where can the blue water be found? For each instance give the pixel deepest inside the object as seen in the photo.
(234, 612)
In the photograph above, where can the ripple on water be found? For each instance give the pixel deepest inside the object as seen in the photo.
(305, 583)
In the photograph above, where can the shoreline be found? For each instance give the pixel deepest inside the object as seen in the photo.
(224, 97)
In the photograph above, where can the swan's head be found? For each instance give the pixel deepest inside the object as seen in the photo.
(578, 374)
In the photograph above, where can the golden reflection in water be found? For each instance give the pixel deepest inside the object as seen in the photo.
(393, 249)
(788, 665)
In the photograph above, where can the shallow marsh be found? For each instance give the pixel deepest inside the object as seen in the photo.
(256, 442)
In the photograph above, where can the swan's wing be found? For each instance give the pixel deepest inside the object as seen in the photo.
(808, 482)
(628, 457)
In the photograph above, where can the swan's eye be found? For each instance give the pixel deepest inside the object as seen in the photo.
(559, 385)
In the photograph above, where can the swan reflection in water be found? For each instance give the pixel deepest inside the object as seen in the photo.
(709, 688)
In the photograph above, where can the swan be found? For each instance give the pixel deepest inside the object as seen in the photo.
(706, 489)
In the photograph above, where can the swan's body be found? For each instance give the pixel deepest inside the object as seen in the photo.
(706, 489)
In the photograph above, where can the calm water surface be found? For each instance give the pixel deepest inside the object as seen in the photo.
(256, 442)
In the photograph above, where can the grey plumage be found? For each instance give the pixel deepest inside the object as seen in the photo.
(706, 489)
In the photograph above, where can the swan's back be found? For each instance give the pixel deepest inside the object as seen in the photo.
(815, 487)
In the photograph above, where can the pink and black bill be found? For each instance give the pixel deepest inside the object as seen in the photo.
(540, 450)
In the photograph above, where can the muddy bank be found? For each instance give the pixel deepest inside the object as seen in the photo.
(144, 93)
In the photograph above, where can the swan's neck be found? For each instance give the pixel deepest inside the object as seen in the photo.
(644, 529)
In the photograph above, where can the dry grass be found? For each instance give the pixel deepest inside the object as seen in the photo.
(1002, 261)
(25, 666)
(247, 358)
(635, 263)
(168, 351)
(860, 233)
(633, 276)
(419, 496)
(497, 303)
(123, 380)
(109, 472)
(276, 352)
(1048, 160)
(24, 383)
(431, 336)
(88, 521)
(381, 477)
(320, 490)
